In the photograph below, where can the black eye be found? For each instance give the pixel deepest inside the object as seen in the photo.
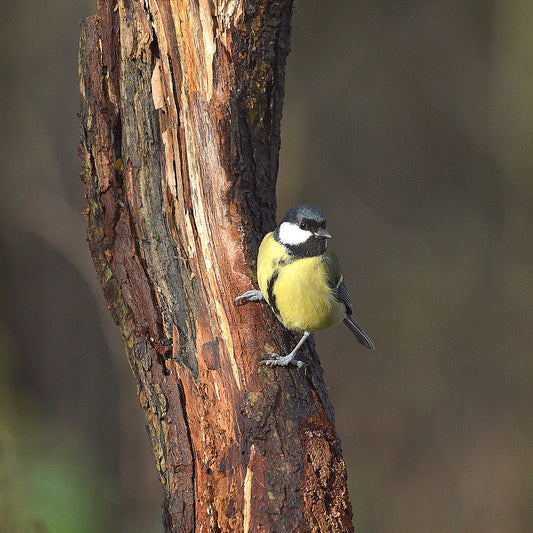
(303, 225)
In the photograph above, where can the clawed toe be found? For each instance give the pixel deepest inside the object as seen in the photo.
(249, 296)
(278, 360)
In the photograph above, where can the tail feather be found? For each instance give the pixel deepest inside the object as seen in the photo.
(350, 322)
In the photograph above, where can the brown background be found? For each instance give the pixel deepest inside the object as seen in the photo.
(411, 127)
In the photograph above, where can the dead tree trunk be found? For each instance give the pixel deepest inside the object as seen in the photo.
(180, 131)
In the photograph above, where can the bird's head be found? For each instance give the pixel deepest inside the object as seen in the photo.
(303, 231)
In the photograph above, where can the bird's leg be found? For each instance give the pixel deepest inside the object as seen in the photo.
(249, 296)
(284, 361)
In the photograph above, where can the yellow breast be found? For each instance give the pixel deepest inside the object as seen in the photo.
(297, 289)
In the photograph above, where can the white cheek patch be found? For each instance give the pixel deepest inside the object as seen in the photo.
(292, 234)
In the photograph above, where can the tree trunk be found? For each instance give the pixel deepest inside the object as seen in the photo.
(180, 131)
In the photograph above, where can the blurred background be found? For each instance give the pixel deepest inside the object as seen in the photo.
(410, 124)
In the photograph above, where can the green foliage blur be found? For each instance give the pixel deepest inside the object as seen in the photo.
(410, 124)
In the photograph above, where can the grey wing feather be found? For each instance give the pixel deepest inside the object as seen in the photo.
(349, 320)
(336, 281)
(340, 291)
(342, 294)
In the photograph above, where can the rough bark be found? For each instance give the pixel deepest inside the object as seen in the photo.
(180, 131)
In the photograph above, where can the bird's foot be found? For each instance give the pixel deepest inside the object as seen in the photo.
(279, 360)
(249, 296)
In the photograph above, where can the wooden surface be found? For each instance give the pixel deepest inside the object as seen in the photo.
(180, 132)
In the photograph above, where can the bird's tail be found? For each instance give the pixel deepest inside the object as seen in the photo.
(350, 322)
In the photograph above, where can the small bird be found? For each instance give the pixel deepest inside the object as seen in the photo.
(300, 279)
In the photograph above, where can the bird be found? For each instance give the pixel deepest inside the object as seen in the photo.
(300, 278)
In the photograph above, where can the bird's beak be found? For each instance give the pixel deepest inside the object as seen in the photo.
(322, 233)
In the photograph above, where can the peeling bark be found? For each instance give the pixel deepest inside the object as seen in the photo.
(180, 130)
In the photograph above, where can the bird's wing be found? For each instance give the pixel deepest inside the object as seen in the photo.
(336, 281)
(343, 295)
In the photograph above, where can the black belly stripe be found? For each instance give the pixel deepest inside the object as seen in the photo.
(270, 291)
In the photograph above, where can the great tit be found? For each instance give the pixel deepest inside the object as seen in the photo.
(300, 279)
